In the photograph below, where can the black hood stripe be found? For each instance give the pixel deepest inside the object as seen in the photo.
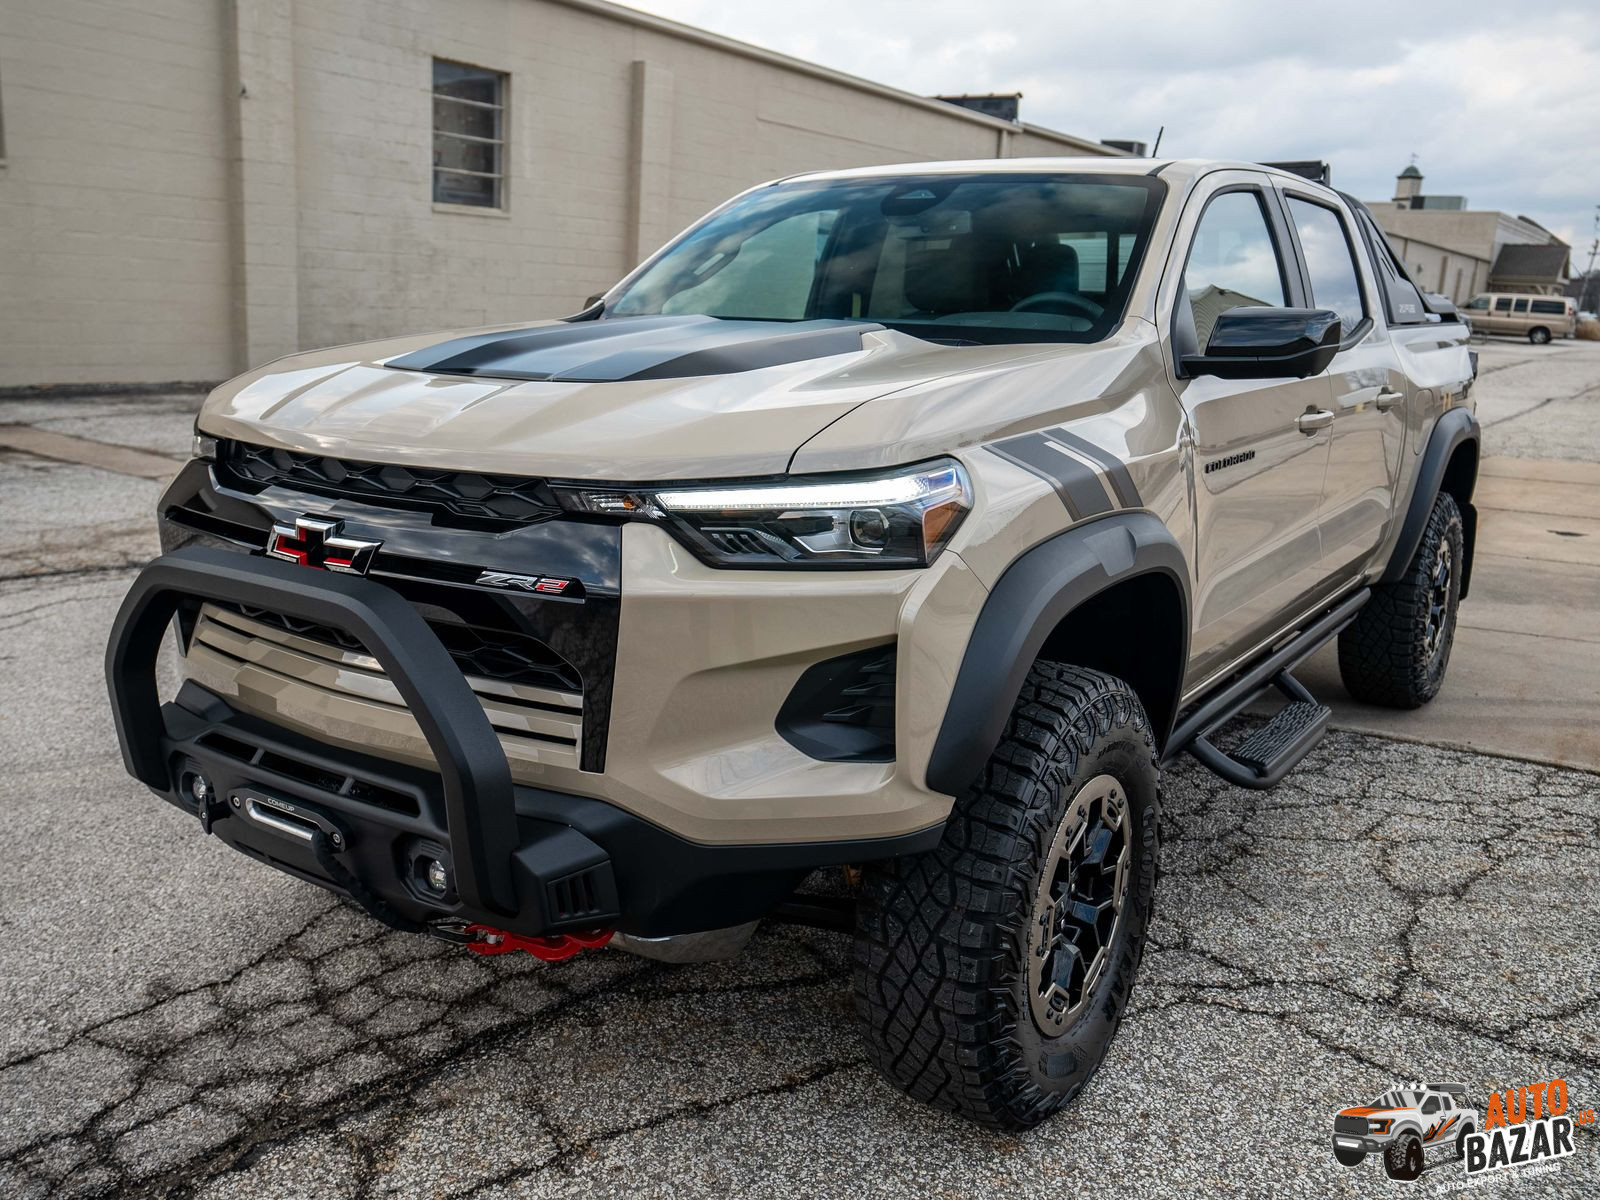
(620, 348)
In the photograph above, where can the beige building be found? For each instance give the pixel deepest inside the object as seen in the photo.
(190, 187)
(1460, 252)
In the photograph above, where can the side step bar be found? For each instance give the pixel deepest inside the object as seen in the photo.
(1275, 749)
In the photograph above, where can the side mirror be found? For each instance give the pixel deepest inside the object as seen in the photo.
(1255, 342)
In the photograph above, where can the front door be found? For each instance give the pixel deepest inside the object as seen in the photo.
(1370, 393)
(1258, 466)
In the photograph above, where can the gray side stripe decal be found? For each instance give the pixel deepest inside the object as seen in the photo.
(1116, 470)
(1074, 481)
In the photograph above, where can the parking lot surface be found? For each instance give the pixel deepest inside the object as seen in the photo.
(182, 1021)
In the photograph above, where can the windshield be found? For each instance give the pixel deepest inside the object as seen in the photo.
(1396, 1099)
(987, 258)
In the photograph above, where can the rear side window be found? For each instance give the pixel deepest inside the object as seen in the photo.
(1550, 308)
(1233, 261)
(1335, 282)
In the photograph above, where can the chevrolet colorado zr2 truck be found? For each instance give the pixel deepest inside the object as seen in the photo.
(906, 519)
(1401, 1122)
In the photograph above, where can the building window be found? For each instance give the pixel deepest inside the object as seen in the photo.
(469, 131)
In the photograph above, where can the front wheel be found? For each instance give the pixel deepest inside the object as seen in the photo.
(1396, 650)
(1348, 1156)
(991, 972)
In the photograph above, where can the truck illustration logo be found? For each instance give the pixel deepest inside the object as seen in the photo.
(1402, 1123)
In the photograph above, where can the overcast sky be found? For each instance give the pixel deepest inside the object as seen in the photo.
(1500, 101)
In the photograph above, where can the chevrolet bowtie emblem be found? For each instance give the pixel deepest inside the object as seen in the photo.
(314, 542)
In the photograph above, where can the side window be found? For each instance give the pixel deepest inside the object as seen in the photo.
(1549, 308)
(1233, 261)
(1094, 252)
(1335, 282)
(1521, 306)
(1479, 303)
(1431, 1104)
(1502, 304)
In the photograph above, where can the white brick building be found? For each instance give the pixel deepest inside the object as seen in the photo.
(189, 187)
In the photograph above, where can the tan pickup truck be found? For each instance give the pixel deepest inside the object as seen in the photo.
(907, 518)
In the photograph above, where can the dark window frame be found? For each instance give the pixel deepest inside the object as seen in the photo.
(1183, 334)
(502, 109)
(1348, 337)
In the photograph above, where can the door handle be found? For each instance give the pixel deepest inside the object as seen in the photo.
(1313, 419)
(1388, 399)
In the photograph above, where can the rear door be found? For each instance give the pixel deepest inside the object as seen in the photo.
(1257, 482)
(1370, 391)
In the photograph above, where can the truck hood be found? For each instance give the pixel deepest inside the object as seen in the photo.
(631, 399)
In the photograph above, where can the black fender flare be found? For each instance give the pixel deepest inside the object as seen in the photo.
(1031, 598)
(1456, 426)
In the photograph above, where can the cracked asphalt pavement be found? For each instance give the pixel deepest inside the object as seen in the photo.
(182, 1021)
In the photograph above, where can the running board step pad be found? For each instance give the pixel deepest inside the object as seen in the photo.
(1282, 735)
(1272, 751)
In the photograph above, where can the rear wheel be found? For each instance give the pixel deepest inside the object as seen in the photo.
(1539, 336)
(1402, 1159)
(1396, 650)
(992, 971)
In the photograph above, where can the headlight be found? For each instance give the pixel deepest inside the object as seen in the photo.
(891, 520)
(1380, 1127)
(204, 446)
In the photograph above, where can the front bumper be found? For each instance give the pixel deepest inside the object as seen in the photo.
(522, 858)
(1351, 1141)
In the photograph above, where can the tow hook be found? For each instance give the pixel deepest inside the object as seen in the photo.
(486, 939)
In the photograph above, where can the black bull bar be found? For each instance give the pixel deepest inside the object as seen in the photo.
(479, 800)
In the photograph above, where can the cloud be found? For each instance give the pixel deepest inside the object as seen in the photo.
(1497, 101)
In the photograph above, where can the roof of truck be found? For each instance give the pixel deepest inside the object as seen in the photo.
(1173, 169)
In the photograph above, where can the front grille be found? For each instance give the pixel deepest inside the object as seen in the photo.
(466, 495)
(487, 653)
(1354, 1125)
(282, 671)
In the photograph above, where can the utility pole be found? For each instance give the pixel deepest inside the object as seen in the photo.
(1587, 297)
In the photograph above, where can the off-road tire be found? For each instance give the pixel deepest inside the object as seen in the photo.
(1461, 1142)
(1539, 336)
(1402, 1158)
(941, 961)
(1385, 656)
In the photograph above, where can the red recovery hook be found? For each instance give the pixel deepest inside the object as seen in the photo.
(486, 939)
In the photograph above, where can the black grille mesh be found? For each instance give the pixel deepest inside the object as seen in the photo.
(463, 494)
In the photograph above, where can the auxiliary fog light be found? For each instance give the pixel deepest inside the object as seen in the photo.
(437, 877)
